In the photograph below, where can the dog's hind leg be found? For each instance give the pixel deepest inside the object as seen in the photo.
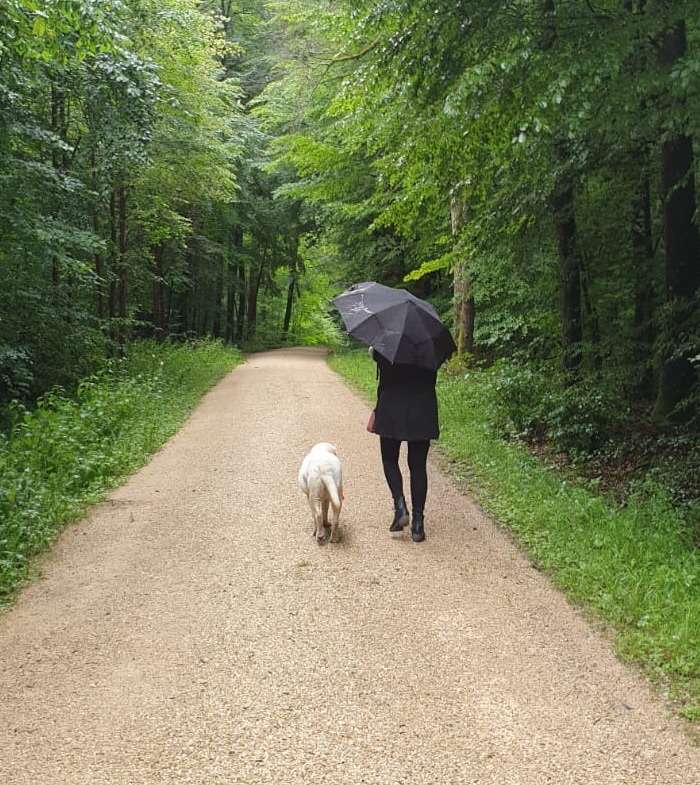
(324, 508)
(334, 524)
(320, 528)
(317, 512)
(314, 516)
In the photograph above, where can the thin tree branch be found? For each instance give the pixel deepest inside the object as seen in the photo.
(340, 58)
(75, 149)
(356, 55)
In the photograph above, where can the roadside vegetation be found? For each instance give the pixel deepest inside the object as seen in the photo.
(67, 451)
(636, 565)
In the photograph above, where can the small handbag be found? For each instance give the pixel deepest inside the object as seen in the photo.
(370, 422)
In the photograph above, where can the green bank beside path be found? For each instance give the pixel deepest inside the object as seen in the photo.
(635, 565)
(67, 452)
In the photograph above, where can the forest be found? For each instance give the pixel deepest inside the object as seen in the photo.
(176, 169)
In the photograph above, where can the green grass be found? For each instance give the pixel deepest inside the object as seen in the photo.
(636, 566)
(65, 454)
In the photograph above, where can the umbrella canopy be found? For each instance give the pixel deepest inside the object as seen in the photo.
(400, 326)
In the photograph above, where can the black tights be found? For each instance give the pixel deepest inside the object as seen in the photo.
(417, 457)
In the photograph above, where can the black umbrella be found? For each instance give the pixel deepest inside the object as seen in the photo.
(400, 326)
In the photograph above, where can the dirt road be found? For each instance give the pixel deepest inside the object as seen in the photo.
(191, 631)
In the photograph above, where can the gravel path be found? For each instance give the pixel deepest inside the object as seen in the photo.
(191, 631)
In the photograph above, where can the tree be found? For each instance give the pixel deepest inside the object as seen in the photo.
(678, 377)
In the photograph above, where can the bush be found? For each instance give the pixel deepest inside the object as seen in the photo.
(576, 418)
(16, 377)
(583, 417)
(521, 397)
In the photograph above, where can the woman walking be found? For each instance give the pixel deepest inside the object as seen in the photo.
(409, 343)
(406, 411)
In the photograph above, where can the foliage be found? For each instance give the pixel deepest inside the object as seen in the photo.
(134, 197)
(578, 418)
(392, 113)
(68, 451)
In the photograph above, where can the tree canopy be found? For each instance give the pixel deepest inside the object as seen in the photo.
(534, 160)
(183, 168)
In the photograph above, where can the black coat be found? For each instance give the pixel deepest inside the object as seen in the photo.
(407, 407)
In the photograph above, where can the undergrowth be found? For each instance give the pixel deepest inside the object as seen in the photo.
(64, 454)
(635, 564)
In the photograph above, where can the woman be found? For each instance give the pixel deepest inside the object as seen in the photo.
(406, 411)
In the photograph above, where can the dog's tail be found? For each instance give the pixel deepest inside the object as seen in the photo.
(329, 482)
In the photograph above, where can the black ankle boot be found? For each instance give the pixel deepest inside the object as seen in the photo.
(400, 515)
(417, 528)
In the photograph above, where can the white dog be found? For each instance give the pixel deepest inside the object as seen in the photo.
(321, 479)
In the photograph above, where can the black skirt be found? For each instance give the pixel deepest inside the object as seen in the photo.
(407, 407)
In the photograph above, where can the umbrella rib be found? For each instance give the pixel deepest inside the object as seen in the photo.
(370, 314)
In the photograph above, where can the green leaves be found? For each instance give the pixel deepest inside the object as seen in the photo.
(119, 133)
(443, 262)
(39, 26)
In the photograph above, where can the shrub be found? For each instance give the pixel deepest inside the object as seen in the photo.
(576, 418)
(521, 396)
(16, 375)
(583, 417)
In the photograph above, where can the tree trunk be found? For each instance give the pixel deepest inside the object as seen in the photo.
(99, 276)
(677, 377)
(232, 276)
(291, 288)
(641, 234)
(464, 310)
(592, 320)
(113, 232)
(562, 203)
(97, 256)
(220, 296)
(643, 260)
(569, 271)
(57, 158)
(158, 306)
(242, 301)
(182, 307)
(191, 312)
(231, 313)
(253, 291)
(123, 270)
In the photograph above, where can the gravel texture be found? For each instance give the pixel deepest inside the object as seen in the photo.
(190, 630)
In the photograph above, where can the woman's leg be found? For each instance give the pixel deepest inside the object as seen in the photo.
(417, 458)
(390, 462)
